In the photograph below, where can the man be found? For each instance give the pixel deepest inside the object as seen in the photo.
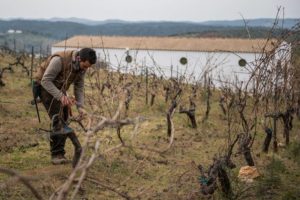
(57, 74)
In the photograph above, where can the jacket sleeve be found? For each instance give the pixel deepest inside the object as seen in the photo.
(79, 90)
(49, 76)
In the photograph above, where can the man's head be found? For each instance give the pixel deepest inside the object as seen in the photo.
(87, 58)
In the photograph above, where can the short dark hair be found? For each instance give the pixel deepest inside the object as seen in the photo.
(88, 54)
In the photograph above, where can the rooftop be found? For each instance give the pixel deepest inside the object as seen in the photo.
(170, 43)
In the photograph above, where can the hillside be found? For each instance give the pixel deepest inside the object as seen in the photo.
(43, 33)
(60, 29)
(260, 22)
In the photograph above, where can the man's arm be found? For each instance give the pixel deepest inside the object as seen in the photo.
(79, 90)
(49, 76)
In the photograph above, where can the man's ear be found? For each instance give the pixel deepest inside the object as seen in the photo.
(78, 58)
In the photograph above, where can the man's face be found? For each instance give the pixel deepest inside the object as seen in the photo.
(84, 65)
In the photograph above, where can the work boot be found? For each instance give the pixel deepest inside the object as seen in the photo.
(59, 159)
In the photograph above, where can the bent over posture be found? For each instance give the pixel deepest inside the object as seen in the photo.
(60, 71)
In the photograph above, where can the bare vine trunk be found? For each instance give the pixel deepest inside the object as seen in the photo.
(267, 140)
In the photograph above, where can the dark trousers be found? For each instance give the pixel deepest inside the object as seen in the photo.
(53, 107)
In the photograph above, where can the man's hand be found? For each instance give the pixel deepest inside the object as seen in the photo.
(82, 112)
(66, 101)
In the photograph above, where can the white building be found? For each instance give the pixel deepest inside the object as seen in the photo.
(12, 31)
(162, 55)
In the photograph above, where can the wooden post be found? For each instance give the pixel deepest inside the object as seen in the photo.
(48, 50)
(177, 73)
(40, 57)
(141, 76)
(15, 48)
(146, 85)
(31, 67)
(275, 146)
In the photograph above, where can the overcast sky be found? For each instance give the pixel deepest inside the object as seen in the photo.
(150, 10)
